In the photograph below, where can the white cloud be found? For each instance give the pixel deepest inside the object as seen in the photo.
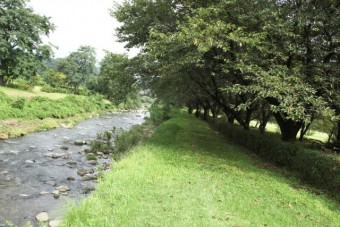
(81, 22)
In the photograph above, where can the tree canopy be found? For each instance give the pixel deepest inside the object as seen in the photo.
(21, 48)
(242, 55)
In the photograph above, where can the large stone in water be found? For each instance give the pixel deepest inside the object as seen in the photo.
(54, 223)
(43, 217)
(29, 161)
(81, 172)
(79, 142)
(63, 188)
(91, 156)
(70, 178)
(56, 194)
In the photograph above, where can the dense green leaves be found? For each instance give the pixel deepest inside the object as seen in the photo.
(116, 79)
(78, 66)
(21, 48)
(240, 54)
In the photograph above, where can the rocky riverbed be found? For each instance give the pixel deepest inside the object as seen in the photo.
(40, 173)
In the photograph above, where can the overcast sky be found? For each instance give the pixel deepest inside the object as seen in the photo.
(81, 22)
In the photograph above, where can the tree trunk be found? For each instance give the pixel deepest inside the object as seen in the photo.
(206, 113)
(190, 110)
(288, 127)
(231, 120)
(197, 113)
(2, 81)
(338, 134)
(303, 131)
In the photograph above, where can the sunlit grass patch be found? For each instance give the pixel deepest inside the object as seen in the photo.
(187, 175)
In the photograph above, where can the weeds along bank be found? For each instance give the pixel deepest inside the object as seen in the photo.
(187, 175)
(19, 116)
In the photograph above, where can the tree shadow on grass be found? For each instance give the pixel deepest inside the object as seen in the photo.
(193, 142)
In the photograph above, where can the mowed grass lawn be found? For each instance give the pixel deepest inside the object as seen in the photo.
(12, 92)
(188, 175)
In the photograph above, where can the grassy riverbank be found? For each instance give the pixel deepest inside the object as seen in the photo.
(24, 112)
(187, 175)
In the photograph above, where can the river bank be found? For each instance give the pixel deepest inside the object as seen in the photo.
(43, 171)
(186, 174)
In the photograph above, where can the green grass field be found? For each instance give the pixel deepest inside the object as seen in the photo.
(12, 92)
(188, 175)
(274, 128)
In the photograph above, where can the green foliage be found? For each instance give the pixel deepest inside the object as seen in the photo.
(41, 107)
(19, 103)
(160, 112)
(21, 49)
(55, 78)
(49, 89)
(21, 83)
(128, 139)
(118, 145)
(78, 66)
(103, 143)
(115, 80)
(318, 169)
(212, 49)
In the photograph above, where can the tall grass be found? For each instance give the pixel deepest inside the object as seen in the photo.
(187, 175)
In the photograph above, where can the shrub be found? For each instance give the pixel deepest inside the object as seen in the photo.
(128, 139)
(318, 169)
(19, 103)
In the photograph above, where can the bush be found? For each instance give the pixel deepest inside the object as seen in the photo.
(159, 113)
(126, 140)
(318, 169)
(49, 89)
(21, 84)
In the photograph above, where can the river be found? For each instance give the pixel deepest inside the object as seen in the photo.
(33, 166)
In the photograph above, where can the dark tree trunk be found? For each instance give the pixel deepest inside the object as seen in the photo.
(248, 118)
(338, 134)
(197, 113)
(304, 130)
(264, 120)
(231, 120)
(288, 127)
(205, 113)
(2, 81)
(190, 110)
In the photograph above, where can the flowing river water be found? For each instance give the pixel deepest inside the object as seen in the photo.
(32, 167)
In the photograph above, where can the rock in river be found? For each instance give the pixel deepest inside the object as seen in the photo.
(70, 178)
(52, 183)
(56, 194)
(43, 217)
(63, 188)
(54, 223)
(79, 142)
(83, 171)
(91, 156)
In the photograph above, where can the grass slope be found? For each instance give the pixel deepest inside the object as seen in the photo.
(187, 175)
(12, 92)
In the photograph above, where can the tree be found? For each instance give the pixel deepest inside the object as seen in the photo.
(116, 79)
(21, 49)
(280, 52)
(78, 66)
